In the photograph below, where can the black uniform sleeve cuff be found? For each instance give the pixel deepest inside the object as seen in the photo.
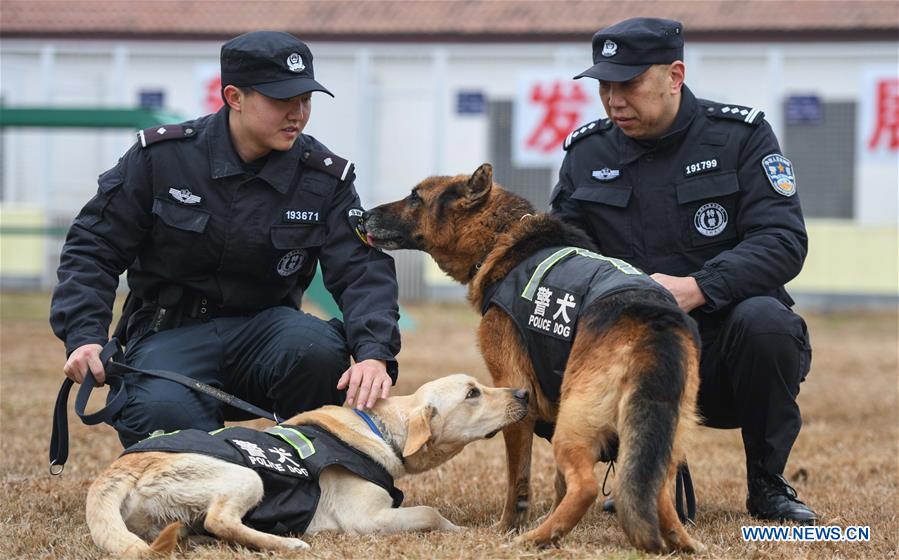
(74, 342)
(714, 287)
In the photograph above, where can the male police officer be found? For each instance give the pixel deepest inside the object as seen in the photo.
(220, 222)
(699, 195)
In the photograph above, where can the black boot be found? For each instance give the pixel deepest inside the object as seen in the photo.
(772, 499)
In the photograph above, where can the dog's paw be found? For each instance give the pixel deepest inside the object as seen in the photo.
(538, 538)
(452, 527)
(295, 544)
(512, 523)
(694, 547)
(504, 528)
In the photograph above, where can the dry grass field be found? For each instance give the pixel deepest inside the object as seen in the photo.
(844, 463)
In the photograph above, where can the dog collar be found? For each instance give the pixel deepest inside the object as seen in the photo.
(370, 422)
(374, 428)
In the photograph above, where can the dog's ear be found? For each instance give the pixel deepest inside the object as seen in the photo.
(419, 430)
(479, 185)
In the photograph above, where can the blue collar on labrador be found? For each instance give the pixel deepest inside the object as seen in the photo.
(370, 422)
(374, 427)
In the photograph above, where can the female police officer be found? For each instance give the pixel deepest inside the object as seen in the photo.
(698, 194)
(220, 222)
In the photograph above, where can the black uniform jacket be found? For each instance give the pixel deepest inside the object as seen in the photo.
(180, 208)
(700, 201)
(289, 465)
(544, 296)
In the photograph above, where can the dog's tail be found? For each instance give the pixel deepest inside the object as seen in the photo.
(648, 421)
(105, 499)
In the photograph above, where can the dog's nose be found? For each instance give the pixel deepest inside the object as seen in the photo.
(522, 395)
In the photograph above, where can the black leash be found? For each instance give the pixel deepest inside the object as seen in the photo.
(683, 488)
(684, 496)
(113, 363)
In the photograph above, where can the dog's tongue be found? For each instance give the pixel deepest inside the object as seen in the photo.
(370, 239)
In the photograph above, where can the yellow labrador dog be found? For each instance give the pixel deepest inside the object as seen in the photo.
(154, 494)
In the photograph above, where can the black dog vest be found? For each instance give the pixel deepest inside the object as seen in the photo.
(545, 294)
(289, 459)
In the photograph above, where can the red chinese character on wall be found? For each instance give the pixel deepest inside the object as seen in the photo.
(213, 100)
(886, 119)
(562, 106)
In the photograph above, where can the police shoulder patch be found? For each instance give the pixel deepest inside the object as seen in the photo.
(149, 136)
(779, 171)
(354, 217)
(329, 163)
(747, 115)
(599, 125)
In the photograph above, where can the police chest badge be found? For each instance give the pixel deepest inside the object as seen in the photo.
(606, 174)
(291, 262)
(779, 171)
(711, 219)
(184, 195)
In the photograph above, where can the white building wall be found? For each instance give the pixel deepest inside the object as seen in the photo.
(394, 113)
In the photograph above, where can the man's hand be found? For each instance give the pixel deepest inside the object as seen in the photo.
(84, 357)
(366, 382)
(683, 288)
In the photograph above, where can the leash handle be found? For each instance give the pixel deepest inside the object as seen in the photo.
(115, 379)
(59, 438)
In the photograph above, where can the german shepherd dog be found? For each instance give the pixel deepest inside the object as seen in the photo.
(632, 374)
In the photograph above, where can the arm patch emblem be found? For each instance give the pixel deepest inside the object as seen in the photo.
(779, 171)
(354, 218)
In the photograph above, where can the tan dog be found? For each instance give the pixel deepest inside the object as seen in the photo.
(633, 369)
(152, 493)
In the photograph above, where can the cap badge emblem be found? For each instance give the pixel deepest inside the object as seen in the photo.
(295, 63)
(609, 48)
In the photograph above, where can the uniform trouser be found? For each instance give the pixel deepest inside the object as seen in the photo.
(752, 364)
(282, 360)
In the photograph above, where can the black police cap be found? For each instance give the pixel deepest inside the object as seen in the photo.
(274, 63)
(625, 50)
